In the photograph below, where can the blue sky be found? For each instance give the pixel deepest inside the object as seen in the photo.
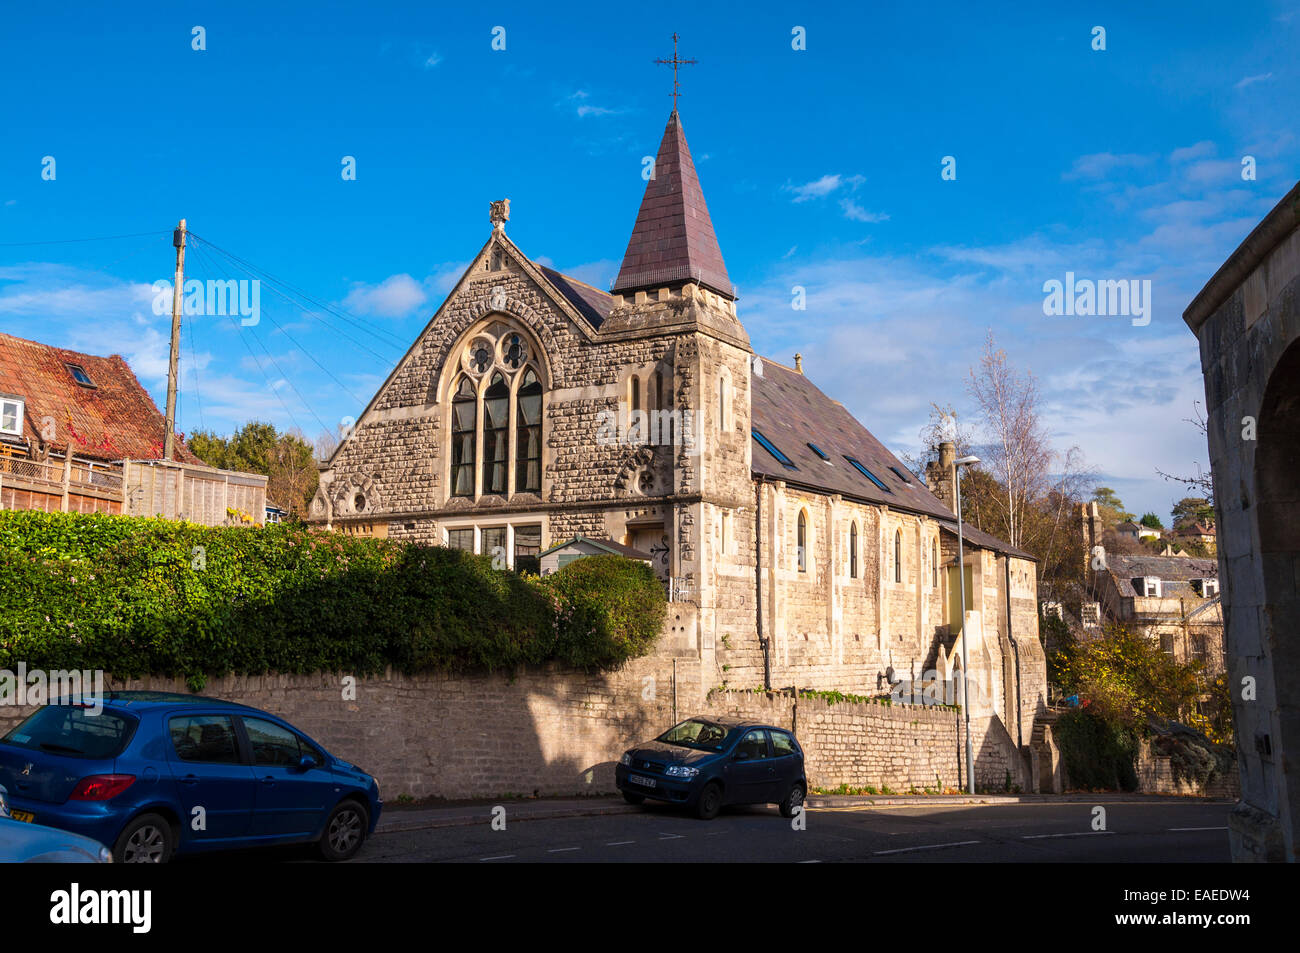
(821, 168)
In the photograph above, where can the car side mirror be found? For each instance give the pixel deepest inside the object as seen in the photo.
(742, 756)
(307, 762)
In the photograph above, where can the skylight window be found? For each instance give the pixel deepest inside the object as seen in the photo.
(820, 452)
(768, 446)
(857, 465)
(901, 475)
(79, 375)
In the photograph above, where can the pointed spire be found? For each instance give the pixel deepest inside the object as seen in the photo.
(673, 240)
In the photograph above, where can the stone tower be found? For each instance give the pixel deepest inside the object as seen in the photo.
(673, 284)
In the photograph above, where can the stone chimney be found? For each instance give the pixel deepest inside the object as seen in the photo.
(1090, 524)
(938, 475)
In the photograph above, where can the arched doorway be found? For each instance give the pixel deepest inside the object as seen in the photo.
(1277, 494)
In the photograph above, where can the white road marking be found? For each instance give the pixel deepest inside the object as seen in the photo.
(561, 850)
(671, 836)
(619, 843)
(1198, 828)
(1074, 834)
(810, 861)
(904, 850)
(499, 857)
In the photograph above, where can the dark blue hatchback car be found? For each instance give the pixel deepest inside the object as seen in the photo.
(156, 773)
(705, 763)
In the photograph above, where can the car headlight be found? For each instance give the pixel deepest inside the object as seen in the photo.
(681, 771)
(627, 757)
(105, 855)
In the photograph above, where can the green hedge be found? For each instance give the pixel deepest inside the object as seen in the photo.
(1100, 754)
(138, 596)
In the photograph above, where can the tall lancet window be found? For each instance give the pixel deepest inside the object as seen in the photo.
(496, 426)
(853, 550)
(528, 435)
(801, 554)
(464, 408)
(898, 555)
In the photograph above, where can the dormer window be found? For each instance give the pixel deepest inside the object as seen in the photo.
(11, 416)
(1208, 588)
(79, 375)
(1147, 587)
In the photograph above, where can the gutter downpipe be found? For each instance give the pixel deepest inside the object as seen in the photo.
(758, 581)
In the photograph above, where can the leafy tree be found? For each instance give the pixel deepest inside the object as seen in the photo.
(1110, 506)
(1126, 678)
(1190, 509)
(1152, 521)
(287, 460)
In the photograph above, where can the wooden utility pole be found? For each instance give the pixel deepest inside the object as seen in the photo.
(169, 438)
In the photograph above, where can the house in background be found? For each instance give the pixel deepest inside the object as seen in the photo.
(1197, 533)
(1136, 531)
(557, 557)
(79, 434)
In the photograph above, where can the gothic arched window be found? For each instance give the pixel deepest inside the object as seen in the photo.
(934, 564)
(464, 407)
(496, 426)
(898, 555)
(853, 550)
(802, 551)
(528, 435)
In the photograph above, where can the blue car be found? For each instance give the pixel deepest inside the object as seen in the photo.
(706, 763)
(155, 774)
(36, 844)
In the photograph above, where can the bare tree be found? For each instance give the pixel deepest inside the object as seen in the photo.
(942, 426)
(1019, 452)
(1203, 481)
(327, 441)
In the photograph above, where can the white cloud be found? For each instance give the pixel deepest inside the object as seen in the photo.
(820, 188)
(1099, 165)
(855, 212)
(1251, 80)
(394, 297)
(433, 60)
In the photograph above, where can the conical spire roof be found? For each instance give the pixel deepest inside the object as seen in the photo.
(673, 238)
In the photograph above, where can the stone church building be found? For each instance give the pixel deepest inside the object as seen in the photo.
(796, 548)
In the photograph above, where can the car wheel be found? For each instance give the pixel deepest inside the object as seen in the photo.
(633, 798)
(793, 800)
(710, 802)
(345, 831)
(148, 839)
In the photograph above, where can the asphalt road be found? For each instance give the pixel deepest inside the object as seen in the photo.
(1143, 830)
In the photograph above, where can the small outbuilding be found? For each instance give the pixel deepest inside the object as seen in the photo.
(559, 556)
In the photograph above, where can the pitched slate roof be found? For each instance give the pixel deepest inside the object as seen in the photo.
(615, 549)
(1176, 572)
(591, 303)
(791, 412)
(111, 419)
(673, 237)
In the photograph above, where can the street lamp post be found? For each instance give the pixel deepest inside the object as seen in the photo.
(965, 652)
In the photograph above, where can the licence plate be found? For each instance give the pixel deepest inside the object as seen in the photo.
(644, 782)
(25, 816)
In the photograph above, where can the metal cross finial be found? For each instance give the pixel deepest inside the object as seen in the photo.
(674, 63)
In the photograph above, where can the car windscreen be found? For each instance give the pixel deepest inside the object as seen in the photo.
(74, 731)
(698, 734)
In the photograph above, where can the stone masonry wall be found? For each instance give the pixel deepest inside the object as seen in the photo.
(554, 732)
(897, 746)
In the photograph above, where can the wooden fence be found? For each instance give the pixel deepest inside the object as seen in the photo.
(180, 491)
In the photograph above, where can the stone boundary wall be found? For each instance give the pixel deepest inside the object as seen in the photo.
(557, 732)
(860, 744)
(1156, 776)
